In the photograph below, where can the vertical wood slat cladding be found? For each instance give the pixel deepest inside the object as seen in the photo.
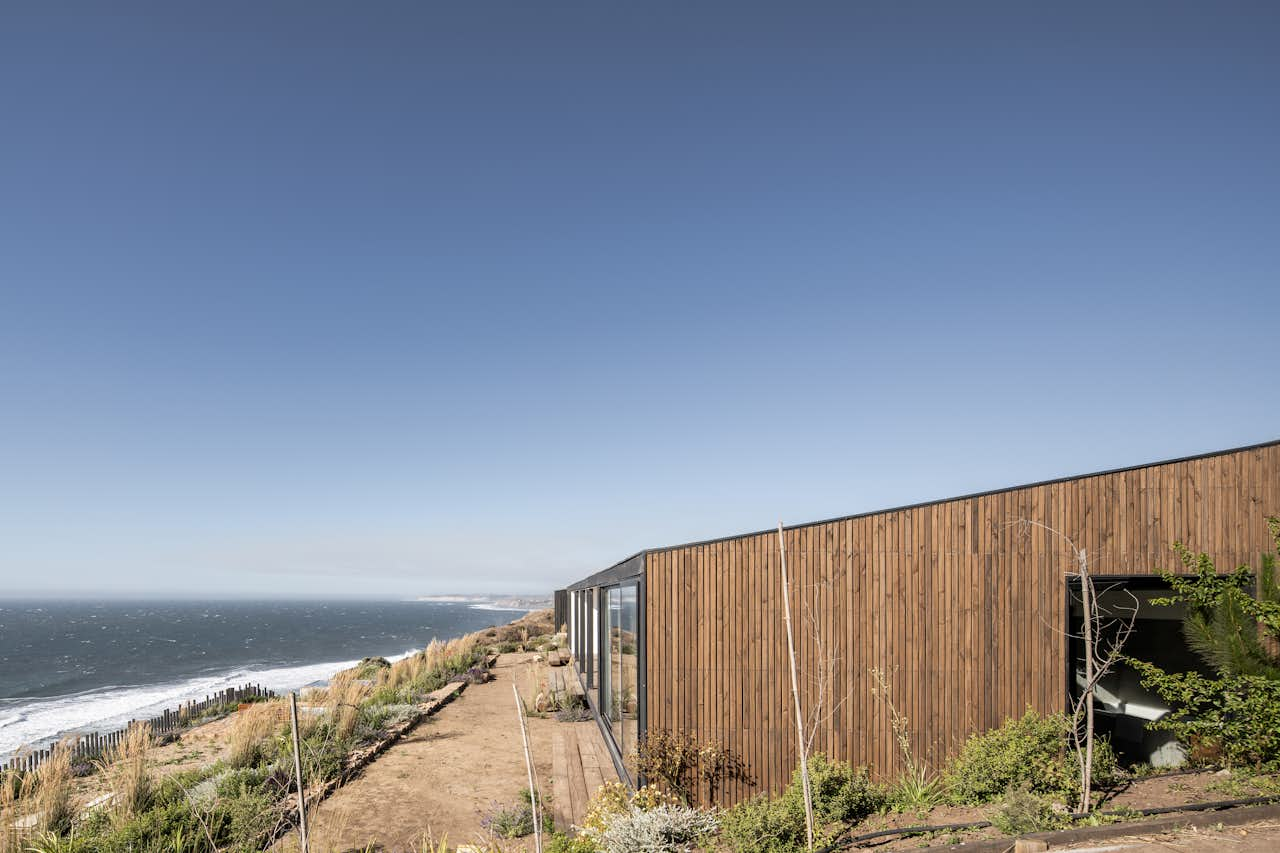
(962, 607)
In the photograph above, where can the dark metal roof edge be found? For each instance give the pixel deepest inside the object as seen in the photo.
(972, 495)
(604, 574)
(618, 571)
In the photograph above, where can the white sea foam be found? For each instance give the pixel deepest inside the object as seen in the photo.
(499, 607)
(39, 721)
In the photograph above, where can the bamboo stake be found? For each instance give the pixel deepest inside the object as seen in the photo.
(1086, 594)
(297, 770)
(795, 694)
(528, 760)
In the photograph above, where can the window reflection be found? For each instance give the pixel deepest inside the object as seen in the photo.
(616, 683)
(628, 659)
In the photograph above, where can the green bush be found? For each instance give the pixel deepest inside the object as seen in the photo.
(561, 843)
(762, 825)
(370, 668)
(1234, 719)
(1233, 623)
(1021, 812)
(1033, 751)
(842, 796)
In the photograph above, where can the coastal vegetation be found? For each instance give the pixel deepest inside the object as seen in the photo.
(1022, 776)
(242, 802)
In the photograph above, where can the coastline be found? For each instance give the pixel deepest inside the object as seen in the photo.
(39, 722)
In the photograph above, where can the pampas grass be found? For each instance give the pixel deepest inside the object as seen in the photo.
(125, 768)
(13, 788)
(437, 661)
(54, 800)
(249, 734)
(342, 702)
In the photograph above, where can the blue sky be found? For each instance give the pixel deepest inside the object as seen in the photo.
(409, 298)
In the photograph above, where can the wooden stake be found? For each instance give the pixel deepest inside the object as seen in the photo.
(297, 771)
(1086, 594)
(795, 694)
(528, 760)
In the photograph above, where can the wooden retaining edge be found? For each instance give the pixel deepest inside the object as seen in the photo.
(1169, 823)
(362, 758)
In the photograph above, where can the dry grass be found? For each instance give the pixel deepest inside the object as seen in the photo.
(251, 730)
(417, 666)
(125, 768)
(13, 789)
(54, 799)
(342, 700)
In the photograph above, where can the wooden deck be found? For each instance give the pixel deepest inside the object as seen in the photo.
(580, 764)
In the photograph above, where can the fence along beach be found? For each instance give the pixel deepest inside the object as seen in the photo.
(93, 744)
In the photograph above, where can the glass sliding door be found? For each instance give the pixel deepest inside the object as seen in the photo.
(628, 660)
(614, 664)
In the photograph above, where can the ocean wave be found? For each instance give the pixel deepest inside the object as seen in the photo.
(38, 722)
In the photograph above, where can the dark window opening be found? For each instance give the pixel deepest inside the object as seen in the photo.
(1122, 706)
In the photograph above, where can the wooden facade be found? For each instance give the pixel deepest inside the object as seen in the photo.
(961, 603)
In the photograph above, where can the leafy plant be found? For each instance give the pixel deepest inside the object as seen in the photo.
(1235, 716)
(842, 796)
(1235, 631)
(1031, 751)
(917, 789)
(1021, 811)
(561, 843)
(1233, 719)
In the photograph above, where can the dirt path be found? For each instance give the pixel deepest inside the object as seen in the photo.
(443, 777)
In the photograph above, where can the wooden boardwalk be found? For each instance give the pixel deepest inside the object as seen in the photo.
(580, 764)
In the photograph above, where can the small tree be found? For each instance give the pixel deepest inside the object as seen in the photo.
(1104, 637)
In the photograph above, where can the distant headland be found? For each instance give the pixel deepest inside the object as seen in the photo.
(493, 602)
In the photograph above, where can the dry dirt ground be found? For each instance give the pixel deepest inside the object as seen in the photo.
(443, 777)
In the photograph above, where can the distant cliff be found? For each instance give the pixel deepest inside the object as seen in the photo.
(495, 602)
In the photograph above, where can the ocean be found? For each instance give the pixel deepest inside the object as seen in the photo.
(91, 666)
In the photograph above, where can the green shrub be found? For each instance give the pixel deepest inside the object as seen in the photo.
(1233, 623)
(370, 668)
(246, 818)
(842, 796)
(762, 825)
(1021, 811)
(1234, 719)
(841, 793)
(1033, 751)
(561, 843)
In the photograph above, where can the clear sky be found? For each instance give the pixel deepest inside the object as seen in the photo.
(401, 298)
